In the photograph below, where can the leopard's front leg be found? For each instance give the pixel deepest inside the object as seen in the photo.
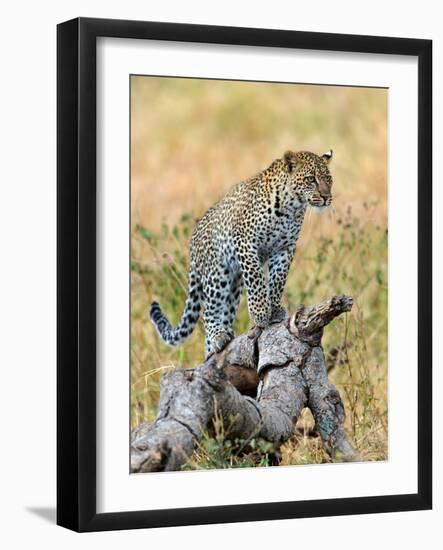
(279, 264)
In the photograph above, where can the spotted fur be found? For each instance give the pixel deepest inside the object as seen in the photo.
(258, 222)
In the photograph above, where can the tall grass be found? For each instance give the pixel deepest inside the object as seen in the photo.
(192, 140)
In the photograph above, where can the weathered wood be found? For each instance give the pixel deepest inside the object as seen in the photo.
(288, 361)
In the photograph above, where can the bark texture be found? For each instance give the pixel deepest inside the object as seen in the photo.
(260, 383)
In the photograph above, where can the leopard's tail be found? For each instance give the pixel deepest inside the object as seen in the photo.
(173, 336)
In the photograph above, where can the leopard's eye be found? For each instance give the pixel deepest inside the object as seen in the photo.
(310, 179)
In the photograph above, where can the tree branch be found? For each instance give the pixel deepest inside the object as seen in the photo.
(287, 362)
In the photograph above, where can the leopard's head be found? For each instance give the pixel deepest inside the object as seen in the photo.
(311, 181)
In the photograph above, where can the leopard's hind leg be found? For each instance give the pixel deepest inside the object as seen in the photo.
(233, 300)
(220, 306)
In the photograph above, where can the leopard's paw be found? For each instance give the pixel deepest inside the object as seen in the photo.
(278, 315)
(219, 342)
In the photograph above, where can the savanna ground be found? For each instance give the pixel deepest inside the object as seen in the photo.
(191, 140)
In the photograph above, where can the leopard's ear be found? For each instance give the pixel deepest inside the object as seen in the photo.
(327, 156)
(290, 160)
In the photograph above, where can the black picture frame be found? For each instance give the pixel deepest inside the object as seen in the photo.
(76, 279)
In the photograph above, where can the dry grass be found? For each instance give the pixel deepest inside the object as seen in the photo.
(191, 141)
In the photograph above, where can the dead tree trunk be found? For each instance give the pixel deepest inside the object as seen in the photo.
(286, 360)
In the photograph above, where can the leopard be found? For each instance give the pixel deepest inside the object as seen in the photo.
(248, 240)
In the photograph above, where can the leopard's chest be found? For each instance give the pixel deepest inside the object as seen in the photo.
(280, 232)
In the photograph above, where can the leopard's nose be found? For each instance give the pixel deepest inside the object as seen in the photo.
(326, 200)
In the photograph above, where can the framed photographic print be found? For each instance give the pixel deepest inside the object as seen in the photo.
(244, 274)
